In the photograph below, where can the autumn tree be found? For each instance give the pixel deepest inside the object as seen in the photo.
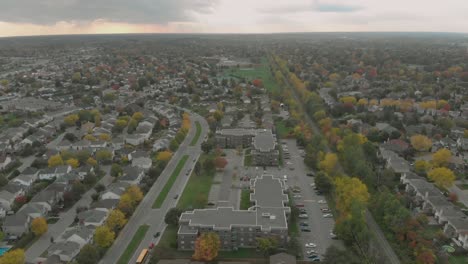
(220, 162)
(92, 162)
(138, 116)
(90, 137)
(348, 189)
(442, 177)
(422, 166)
(164, 155)
(39, 226)
(103, 155)
(89, 254)
(329, 163)
(441, 157)
(421, 142)
(55, 160)
(116, 219)
(74, 163)
(15, 256)
(135, 193)
(71, 120)
(105, 137)
(104, 236)
(126, 204)
(207, 246)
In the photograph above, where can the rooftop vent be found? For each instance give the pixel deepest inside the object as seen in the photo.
(266, 214)
(272, 217)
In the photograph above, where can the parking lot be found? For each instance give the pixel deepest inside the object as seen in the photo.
(310, 202)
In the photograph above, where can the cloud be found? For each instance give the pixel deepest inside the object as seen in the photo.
(133, 11)
(331, 8)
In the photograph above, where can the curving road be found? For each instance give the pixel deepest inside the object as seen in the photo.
(144, 214)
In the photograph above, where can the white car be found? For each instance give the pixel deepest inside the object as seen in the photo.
(297, 196)
(310, 245)
(327, 215)
(303, 216)
(312, 185)
(309, 252)
(322, 202)
(289, 163)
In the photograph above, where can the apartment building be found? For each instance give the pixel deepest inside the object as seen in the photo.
(267, 217)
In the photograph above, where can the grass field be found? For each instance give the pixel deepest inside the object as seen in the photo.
(197, 134)
(133, 245)
(458, 260)
(259, 72)
(248, 158)
(245, 200)
(196, 191)
(162, 195)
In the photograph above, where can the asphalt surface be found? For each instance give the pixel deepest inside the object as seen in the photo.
(380, 240)
(144, 213)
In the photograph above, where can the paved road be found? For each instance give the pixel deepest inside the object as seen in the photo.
(381, 241)
(144, 214)
(66, 219)
(462, 194)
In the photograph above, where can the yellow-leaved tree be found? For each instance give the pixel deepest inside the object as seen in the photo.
(55, 160)
(422, 166)
(164, 155)
(104, 236)
(441, 157)
(329, 163)
(207, 246)
(13, 257)
(442, 177)
(348, 189)
(73, 162)
(421, 142)
(116, 219)
(39, 226)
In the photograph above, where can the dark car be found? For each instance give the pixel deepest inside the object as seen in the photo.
(303, 224)
(305, 229)
(157, 234)
(176, 196)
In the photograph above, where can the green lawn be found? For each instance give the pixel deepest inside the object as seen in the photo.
(245, 200)
(134, 243)
(463, 186)
(282, 130)
(162, 195)
(196, 191)
(458, 260)
(248, 158)
(261, 71)
(197, 134)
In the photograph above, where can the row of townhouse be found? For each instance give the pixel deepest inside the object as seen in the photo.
(431, 201)
(267, 217)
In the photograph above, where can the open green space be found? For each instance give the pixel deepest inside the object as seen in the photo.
(245, 199)
(133, 245)
(282, 130)
(163, 194)
(197, 134)
(248, 157)
(261, 71)
(458, 259)
(195, 195)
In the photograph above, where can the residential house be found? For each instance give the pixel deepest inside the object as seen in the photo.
(65, 251)
(6, 200)
(34, 210)
(132, 175)
(135, 139)
(79, 234)
(4, 161)
(93, 217)
(17, 224)
(141, 160)
(115, 190)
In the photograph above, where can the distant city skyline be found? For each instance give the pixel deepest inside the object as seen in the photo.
(51, 17)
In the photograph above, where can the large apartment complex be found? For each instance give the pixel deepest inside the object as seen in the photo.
(267, 217)
(262, 141)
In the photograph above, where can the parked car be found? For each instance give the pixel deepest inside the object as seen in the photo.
(305, 229)
(327, 215)
(297, 196)
(310, 245)
(303, 216)
(302, 211)
(322, 202)
(311, 252)
(303, 224)
(333, 235)
(325, 210)
(299, 205)
(310, 174)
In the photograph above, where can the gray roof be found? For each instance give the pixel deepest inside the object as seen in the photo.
(6, 195)
(106, 203)
(66, 248)
(92, 215)
(81, 231)
(18, 219)
(264, 141)
(268, 192)
(237, 131)
(282, 258)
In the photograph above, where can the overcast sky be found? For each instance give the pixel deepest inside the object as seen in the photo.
(43, 17)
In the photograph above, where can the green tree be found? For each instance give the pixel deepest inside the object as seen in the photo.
(268, 245)
(323, 182)
(334, 255)
(116, 170)
(172, 216)
(89, 254)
